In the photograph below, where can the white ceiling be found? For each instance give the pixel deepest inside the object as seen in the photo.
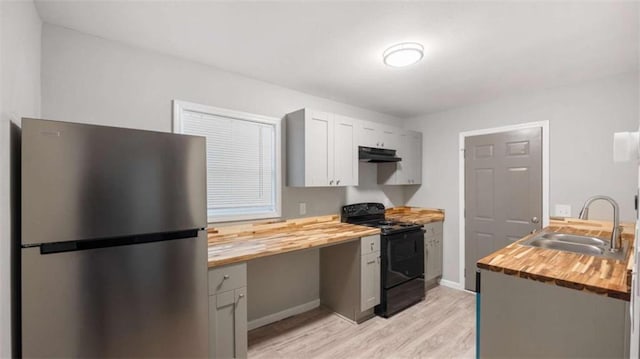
(474, 50)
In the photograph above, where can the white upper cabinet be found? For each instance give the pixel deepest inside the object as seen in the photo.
(345, 158)
(321, 149)
(371, 134)
(389, 137)
(409, 170)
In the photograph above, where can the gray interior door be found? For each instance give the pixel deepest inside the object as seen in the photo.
(503, 192)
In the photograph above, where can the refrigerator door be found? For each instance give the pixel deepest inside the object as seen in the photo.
(87, 182)
(145, 300)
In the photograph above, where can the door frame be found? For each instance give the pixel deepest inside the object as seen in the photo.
(462, 200)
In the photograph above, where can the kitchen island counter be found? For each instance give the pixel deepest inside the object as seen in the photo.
(567, 269)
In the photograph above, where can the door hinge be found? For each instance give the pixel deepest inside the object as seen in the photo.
(464, 214)
(465, 273)
(464, 153)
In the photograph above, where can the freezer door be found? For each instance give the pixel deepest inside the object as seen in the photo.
(86, 182)
(145, 300)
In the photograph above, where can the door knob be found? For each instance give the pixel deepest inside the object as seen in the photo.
(535, 220)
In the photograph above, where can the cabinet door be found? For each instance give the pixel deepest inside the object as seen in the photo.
(370, 281)
(318, 148)
(240, 323)
(403, 168)
(431, 259)
(415, 148)
(389, 137)
(426, 259)
(439, 262)
(345, 152)
(369, 134)
(221, 325)
(228, 325)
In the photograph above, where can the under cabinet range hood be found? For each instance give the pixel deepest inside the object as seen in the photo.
(377, 155)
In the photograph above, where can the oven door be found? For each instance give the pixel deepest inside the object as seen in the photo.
(404, 257)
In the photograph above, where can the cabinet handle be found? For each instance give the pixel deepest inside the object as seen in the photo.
(382, 144)
(331, 182)
(372, 246)
(337, 182)
(371, 262)
(226, 276)
(240, 296)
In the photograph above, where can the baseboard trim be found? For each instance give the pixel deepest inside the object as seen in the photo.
(451, 284)
(272, 318)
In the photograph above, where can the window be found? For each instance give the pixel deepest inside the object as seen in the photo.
(243, 160)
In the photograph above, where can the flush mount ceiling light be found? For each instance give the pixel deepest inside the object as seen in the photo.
(403, 54)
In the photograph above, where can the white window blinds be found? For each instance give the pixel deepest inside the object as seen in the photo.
(242, 173)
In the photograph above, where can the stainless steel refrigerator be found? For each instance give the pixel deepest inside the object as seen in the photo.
(114, 250)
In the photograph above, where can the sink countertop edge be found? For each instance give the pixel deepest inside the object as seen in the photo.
(566, 269)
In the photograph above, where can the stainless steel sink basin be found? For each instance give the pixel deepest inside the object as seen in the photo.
(577, 244)
(567, 246)
(576, 239)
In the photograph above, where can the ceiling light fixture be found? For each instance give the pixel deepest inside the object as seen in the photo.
(403, 54)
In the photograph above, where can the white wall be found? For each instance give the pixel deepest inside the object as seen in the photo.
(582, 119)
(93, 80)
(20, 40)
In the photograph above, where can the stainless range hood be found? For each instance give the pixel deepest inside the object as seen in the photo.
(377, 155)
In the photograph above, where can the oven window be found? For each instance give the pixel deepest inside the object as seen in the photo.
(405, 257)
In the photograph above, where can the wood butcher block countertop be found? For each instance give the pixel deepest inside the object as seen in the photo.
(572, 270)
(415, 214)
(243, 242)
(239, 243)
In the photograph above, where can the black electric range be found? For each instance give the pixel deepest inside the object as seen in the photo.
(401, 254)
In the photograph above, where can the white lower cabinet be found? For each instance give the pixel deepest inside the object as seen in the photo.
(350, 278)
(369, 281)
(228, 311)
(432, 254)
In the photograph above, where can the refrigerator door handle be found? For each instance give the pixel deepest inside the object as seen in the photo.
(72, 246)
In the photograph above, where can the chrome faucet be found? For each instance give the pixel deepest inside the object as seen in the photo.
(616, 236)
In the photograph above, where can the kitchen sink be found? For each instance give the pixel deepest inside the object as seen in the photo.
(577, 244)
(572, 238)
(567, 246)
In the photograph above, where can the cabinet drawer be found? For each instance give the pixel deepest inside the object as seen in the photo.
(433, 228)
(226, 278)
(369, 244)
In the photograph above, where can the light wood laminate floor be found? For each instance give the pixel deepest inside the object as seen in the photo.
(442, 326)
